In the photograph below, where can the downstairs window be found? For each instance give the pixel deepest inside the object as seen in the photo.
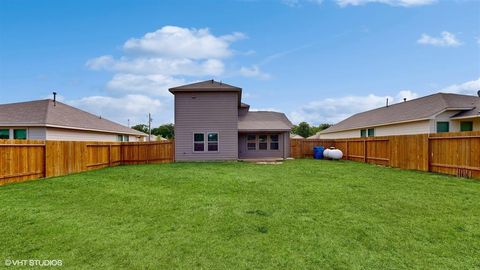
(4, 134)
(466, 126)
(262, 142)
(198, 142)
(443, 127)
(212, 142)
(20, 134)
(251, 142)
(273, 142)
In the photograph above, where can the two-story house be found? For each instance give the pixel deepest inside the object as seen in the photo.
(212, 123)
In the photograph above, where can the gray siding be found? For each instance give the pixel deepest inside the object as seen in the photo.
(206, 112)
(61, 134)
(282, 152)
(37, 133)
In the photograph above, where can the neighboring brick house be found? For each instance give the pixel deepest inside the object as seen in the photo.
(50, 120)
(435, 113)
(212, 123)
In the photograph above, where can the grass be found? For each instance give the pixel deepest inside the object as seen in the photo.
(298, 215)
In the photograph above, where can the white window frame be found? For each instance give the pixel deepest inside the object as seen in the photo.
(254, 141)
(270, 142)
(267, 142)
(193, 142)
(206, 142)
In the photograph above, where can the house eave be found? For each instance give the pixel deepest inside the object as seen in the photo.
(97, 130)
(69, 127)
(465, 117)
(264, 130)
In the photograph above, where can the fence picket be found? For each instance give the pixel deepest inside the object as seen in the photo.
(449, 153)
(22, 160)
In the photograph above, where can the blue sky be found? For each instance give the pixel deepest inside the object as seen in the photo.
(319, 61)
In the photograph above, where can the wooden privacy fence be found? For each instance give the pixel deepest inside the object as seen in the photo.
(21, 160)
(450, 153)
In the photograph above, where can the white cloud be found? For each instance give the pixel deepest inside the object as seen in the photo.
(407, 94)
(120, 109)
(253, 71)
(403, 3)
(333, 110)
(167, 57)
(447, 39)
(466, 88)
(296, 3)
(154, 65)
(101, 62)
(153, 84)
(174, 41)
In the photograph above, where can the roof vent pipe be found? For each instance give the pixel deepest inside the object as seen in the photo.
(54, 99)
(478, 93)
(387, 102)
(404, 99)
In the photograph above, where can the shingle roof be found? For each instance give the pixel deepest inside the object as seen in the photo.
(209, 85)
(415, 109)
(264, 121)
(471, 113)
(44, 113)
(295, 136)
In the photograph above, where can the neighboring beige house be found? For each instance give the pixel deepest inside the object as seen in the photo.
(50, 120)
(435, 113)
(295, 136)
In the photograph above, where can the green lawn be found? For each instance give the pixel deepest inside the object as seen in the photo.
(301, 214)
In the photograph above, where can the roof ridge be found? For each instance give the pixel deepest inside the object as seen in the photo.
(97, 116)
(47, 109)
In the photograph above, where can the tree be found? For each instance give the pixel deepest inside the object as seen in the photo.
(141, 127)
(166, 131)
(303, 129)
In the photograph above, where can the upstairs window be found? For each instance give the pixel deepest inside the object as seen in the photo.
(212, 142)
(20, 134)
(262, 142)
(363, 133)
(4, 134)
(371, 132)
(443, 127)
(273, 142)
(251, 142)
(198, 142)
(466, 126)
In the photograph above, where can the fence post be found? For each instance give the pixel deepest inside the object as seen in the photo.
(148, 154)
(365, 150)
(109, 155)
(45, 159)
(346, 149)
(428, 153)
